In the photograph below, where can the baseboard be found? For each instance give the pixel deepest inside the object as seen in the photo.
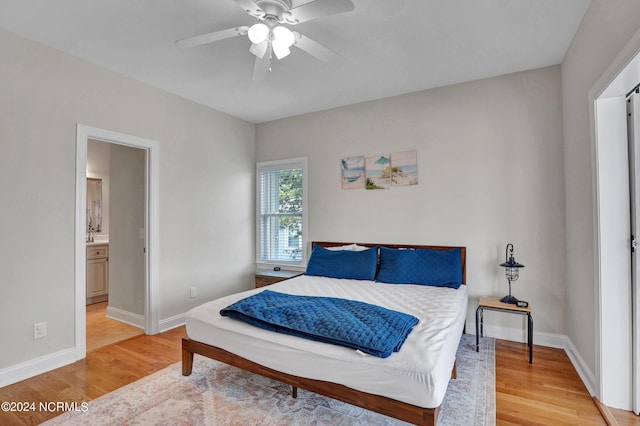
(608, 417)
(543, 339)
(27, 369)
(126, 317)
(585, 373)
(172, 322)
(97, 299)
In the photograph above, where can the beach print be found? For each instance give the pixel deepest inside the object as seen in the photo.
(378, 172)
(353, 173)
(404, 168)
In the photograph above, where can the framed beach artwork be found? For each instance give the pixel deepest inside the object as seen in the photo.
(353, 173)
(378, 172)
(404, 168)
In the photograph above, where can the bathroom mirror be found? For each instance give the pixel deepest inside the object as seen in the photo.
(94, 205)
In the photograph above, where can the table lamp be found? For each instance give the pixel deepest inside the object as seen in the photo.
(511, 271)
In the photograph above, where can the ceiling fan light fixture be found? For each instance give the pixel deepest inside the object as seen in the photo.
(280, 49)
(259, 49)
(283, 35)
(258, 33)
(269, 36)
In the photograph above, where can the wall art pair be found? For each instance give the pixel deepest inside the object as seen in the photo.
(381, 171)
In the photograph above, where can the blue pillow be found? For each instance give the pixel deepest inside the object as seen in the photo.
(440, 268)
(355, 265)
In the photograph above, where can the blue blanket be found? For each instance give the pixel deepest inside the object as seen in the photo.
(369, 328)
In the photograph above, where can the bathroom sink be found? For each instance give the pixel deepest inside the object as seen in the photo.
(98, 240)
(97, 243)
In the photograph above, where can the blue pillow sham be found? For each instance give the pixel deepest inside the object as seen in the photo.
(440, 268)
(355, 265)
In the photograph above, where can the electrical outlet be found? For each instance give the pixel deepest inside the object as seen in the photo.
(194, 292)
(39, 330)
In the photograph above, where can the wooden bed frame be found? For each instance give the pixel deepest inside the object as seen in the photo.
(387, 406)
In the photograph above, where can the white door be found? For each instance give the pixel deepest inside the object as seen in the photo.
(633, 119)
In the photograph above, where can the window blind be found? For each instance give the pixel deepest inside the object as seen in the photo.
(281, 209)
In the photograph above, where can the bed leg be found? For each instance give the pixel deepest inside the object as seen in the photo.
(454, 372)
(294, 392)
(187, 362)
(433, 420)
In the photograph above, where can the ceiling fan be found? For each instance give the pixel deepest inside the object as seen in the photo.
(269, 36)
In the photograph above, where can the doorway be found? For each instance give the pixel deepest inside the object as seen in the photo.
(116, 226)
(149, 239)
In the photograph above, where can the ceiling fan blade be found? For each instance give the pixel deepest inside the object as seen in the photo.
(251, 8)
(316, 50)
(211, 37)
(317, 9)
(262, 66)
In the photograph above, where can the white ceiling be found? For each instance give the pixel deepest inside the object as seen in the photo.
(389, 47)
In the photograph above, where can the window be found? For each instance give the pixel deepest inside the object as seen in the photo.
(281, 212)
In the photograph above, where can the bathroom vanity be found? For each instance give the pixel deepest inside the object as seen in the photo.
(97, 272)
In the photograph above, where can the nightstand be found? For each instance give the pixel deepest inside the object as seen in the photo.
(494, 304)
(268, 277)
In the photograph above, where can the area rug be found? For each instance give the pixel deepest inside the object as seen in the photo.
(218, 394)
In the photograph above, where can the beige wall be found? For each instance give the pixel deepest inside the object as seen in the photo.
(490, 169)
(206, 190)
(606, 28)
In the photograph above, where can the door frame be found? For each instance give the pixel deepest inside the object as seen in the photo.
(151, 292)
(633, 117)
(613, 356)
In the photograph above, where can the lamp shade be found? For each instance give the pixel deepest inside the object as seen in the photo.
(512, 271)
(259, 49)
(280, 50)
(258, 33)
(283, 35)
(283, 39)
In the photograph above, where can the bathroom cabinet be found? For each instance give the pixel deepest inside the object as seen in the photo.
(97, 273)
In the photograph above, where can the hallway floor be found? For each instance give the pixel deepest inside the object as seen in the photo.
(103, 331)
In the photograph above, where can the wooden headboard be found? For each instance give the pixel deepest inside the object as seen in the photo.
(463, 250)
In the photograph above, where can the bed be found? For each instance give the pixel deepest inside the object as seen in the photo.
(409, 385)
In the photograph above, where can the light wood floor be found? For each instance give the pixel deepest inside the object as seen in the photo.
(103, 331)
(549, 392)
